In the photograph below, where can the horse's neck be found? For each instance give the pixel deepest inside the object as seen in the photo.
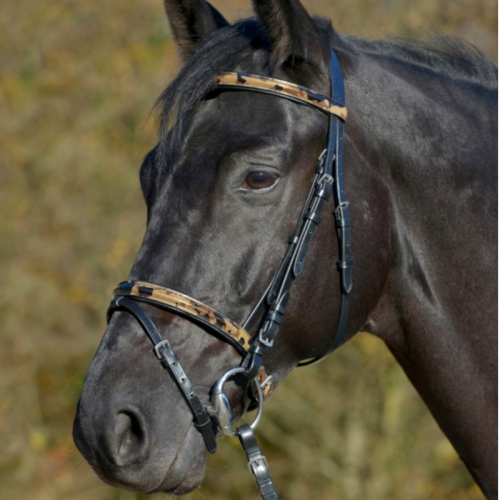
(437, 311)
(439, 165)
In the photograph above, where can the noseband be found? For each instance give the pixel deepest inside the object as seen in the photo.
(269, 311)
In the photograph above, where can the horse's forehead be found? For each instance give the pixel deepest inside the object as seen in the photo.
(224, 125)
(253, 61)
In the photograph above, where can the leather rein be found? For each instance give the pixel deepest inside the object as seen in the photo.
(269, 311)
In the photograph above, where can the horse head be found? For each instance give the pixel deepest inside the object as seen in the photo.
(235, 190)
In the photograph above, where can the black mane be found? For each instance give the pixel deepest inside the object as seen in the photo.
(217, 54)
(446, 55)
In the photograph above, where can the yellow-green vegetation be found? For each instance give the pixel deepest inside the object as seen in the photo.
(78, 81)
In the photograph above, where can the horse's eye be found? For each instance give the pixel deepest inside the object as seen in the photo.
(259, 179)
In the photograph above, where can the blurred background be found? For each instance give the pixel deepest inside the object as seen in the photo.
(77, 84)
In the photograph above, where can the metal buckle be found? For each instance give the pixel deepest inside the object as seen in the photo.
(158, 347)
(266, 342)
(326, 178)
(258, 462)
(322, 156)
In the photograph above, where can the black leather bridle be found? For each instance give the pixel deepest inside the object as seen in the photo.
(269, 311)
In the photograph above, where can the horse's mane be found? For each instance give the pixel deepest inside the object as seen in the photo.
(216, 54)
(448, 56)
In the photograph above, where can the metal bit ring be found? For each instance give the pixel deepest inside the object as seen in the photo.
(220, 408)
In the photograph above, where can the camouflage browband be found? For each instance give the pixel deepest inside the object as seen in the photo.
(169, 299)
(285, 89)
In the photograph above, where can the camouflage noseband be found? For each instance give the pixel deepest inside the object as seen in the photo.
(174, 301)
(195, 310)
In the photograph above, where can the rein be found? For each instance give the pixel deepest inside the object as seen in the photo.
(270, 309)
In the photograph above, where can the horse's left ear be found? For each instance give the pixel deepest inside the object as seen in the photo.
(295, 36)
(190, 21)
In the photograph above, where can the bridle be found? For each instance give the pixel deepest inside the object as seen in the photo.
(269, 311)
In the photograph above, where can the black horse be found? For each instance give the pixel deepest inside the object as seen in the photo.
(224, 188)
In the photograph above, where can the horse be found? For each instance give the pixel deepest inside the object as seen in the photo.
(240, 138)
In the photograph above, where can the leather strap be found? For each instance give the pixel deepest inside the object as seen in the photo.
(281, 88)
(170, 362)
(174, 301)
(329, 172)
(257, 463)
(342, 219)
(192, 309)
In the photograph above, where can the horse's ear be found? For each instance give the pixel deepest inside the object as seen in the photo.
(190, 21)
(294, 35)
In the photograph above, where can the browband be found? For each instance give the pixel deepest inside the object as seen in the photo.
(296, 93)
(174, 301)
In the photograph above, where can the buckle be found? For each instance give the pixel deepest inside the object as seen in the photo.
(157, 348)
(326, 178)
(321, 159)
(264, 341)
(256, 463)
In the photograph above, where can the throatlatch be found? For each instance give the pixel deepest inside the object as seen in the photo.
(269, 311)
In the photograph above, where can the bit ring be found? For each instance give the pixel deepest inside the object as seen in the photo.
(220, 408)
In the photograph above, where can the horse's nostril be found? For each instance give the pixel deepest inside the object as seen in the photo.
(131, 438)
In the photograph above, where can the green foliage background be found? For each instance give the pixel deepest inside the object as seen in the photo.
(77, 83)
